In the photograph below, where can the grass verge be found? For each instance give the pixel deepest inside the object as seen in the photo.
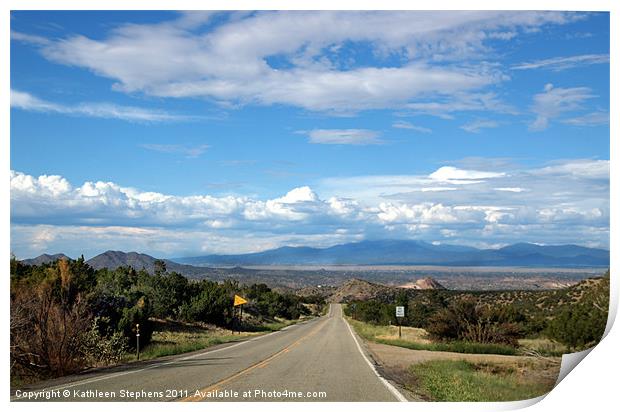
(462, 381)
(174, 338)
(168, 342)
(378, 334)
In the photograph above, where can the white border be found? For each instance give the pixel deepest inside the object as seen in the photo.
(591, 386)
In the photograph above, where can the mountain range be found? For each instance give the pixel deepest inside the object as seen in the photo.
(379, 252)
(414, 252)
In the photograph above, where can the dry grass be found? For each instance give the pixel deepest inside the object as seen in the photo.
(543, 346)
(464, 381)
(416, 335)
(173, 338)
(415, 338)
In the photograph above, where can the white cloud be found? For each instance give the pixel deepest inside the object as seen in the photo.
(477, 125)
(577, 168)
(510, 189)
(401, 124)
(187, 151)
(454, 175)
(26, 101)
(29, 38)
(591, 119)
(446, 107)
(464, 205)
(231, 63)
(555, 101)
(358, 137)
(564, 63)
(425, 213)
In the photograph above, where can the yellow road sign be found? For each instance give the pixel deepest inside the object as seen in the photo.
(239, 300)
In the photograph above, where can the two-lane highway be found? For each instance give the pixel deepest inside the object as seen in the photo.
(319, 360)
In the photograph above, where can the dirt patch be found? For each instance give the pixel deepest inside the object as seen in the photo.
(393, 363)
(392, 356)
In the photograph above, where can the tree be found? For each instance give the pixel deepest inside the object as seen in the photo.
(582, 324)
(48, 321)
(159, 267)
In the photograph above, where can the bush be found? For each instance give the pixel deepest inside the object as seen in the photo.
(48, 320)
(103, 349)
(467, 320)
(372, 311)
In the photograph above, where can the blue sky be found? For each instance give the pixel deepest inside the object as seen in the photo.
(180, 134)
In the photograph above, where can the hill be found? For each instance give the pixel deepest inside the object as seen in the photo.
(424, 284)
(114, 259)
(45, 258)
(359, 289)
(414, 252)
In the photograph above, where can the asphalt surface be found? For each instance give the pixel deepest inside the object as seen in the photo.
(318, 360)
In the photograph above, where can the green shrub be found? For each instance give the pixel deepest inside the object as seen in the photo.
(136, 315)
(467, 320)
(103, 349)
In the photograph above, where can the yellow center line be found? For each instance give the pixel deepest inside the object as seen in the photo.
(200, 394)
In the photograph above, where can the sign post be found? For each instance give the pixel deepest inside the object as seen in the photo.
(138, 341)
(239, 301)
(400, 313)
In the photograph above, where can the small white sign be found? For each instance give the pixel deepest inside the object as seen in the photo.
(400, 311)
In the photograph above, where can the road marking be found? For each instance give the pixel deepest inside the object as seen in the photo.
(260, 364)
(157, 365)
(387, 384)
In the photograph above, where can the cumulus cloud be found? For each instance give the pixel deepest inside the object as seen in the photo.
(449, 204)
(564, 63)
(555, 101)
(26, 101)
(233, 62)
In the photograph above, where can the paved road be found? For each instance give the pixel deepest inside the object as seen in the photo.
(319, 360)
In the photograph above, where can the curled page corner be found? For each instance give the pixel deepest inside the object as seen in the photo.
(569, 361)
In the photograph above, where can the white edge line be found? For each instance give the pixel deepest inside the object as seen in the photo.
(157, 365)
(387, 384)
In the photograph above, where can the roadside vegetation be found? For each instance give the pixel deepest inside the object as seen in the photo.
(173, 338)
(418, 339)
(463, 381)
(544, 323)
(66, 317)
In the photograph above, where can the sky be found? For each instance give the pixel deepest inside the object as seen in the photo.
(183, 134)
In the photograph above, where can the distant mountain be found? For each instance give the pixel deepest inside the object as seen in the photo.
(45, 258)
(114, 259)
(413, 252)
